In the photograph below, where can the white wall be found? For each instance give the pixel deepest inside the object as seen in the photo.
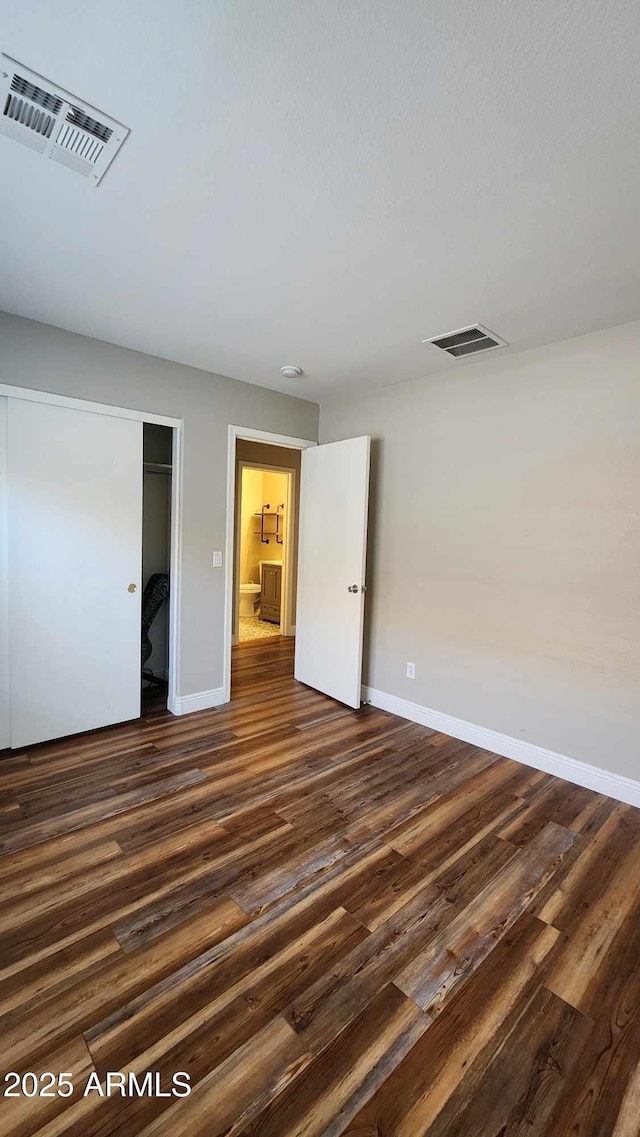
(505, 543)
(40, 357)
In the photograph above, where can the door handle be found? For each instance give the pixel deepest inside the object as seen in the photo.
(352, 588)
(131, 588)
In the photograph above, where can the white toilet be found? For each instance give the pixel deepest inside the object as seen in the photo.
(249, 595)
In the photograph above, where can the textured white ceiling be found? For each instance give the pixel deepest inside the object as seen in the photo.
(326, 183)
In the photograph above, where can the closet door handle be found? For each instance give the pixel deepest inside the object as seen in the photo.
(131, 588)
(352, 588)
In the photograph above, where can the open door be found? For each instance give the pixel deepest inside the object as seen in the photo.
(334, 499)
(74, 559)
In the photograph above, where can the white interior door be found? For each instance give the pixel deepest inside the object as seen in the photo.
(74, 563)
(334, 499)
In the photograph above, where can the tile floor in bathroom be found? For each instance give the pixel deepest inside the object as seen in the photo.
(253, 628)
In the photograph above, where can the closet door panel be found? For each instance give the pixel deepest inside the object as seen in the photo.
(74, 561)
(5, 718)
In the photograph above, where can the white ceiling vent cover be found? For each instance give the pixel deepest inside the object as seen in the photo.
(467, 341)
(60, 127)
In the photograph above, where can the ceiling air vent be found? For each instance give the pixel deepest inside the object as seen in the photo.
(59, 126)
(467, 341)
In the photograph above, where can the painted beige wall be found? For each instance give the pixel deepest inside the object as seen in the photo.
(259, 487)
(275, 489)
(45, 358)
(505, 543)
(251, 499)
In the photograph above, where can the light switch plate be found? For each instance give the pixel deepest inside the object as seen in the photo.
(217, 560)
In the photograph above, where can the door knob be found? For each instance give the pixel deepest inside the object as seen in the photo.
(352, 588)
(131, 588)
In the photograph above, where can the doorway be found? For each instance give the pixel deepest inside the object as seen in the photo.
(330, 580)
(268, 467)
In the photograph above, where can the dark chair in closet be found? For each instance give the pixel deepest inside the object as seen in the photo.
(153, 597)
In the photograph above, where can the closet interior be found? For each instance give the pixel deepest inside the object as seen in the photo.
(156, 559)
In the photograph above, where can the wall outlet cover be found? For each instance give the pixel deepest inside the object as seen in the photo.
(411, 671)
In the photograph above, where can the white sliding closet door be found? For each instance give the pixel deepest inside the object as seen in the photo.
(74, 563)
(5, 720)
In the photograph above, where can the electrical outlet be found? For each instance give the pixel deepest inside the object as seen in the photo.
(217, 560)
(411, 671)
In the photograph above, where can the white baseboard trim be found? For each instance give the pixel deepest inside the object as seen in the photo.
(201, 701)
(581, 773)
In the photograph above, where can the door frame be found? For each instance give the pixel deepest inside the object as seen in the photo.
(286, 627)
(177, 426)
(247, 434)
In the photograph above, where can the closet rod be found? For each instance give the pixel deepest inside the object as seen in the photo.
(157, 468)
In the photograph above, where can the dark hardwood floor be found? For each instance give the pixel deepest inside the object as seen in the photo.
(334, 922)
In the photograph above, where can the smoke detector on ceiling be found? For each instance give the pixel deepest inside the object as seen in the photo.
(57, 125)
(467, 341)
(291, 372)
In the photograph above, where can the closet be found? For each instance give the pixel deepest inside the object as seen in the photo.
(72, 564)
(156, 552)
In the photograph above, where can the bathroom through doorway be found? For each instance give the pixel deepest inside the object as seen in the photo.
(266, 537)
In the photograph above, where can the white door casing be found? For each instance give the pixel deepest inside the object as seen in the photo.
(74, 549)
(334, 499)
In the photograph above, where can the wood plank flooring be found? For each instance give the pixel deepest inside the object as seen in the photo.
(334, 922)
